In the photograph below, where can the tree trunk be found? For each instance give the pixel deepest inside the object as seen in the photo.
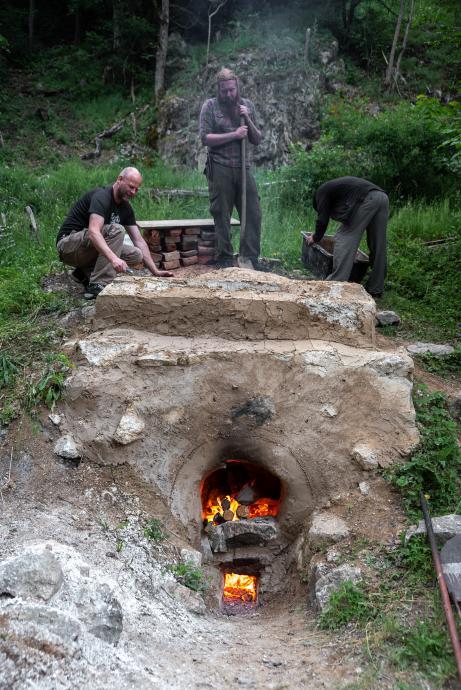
(162, 50)
(77, 26)
(405, 38)
(31, 22)
(116, 20)
(210, 15)
(390, 64)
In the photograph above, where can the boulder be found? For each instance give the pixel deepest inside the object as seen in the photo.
(365, 457)
(434, 349)
(66, 447)
(192, 557)
(100, 611)
(326, 529)
(445, 527)
(387, 318)
(241, 533)
(330, 582)
(36, 576)
(130, 427)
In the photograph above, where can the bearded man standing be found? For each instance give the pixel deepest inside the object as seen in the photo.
(91, 236)
(224, 122)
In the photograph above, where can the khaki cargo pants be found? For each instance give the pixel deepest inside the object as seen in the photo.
(77, 250)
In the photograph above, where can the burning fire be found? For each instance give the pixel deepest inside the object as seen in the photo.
(227, 508)
(239, 587)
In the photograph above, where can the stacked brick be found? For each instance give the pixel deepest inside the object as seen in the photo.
(177, 247)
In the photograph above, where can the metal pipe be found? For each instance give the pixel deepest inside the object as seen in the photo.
(452, 629)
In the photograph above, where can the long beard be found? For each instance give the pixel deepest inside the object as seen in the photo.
(229, 104)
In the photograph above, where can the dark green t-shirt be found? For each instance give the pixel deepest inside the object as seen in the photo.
(100, 201)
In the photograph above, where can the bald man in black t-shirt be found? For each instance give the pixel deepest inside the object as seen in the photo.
(91, 237)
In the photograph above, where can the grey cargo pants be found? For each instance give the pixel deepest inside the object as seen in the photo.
(225, 190)
(77, 250)
(371, 215)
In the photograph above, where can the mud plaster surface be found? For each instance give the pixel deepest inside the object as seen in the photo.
(75, 511)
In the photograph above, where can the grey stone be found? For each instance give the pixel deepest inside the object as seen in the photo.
(66, 447)
(366, 457)
(364, 488)
(445, 527)
(36, 576)
(387, 318)
(326, 529)
(191, 556)
(192, 601)
(100, 611)
(241, 533)
(44, 624)
(56, 419)
(331, 582)
(435, 349)
(130, 428)
(328, 410)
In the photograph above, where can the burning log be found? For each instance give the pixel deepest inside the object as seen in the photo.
(225, 503)
(242, 512)
(228, 515)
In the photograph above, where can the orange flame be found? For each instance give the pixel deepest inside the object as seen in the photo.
(239, 587)
(262, 507)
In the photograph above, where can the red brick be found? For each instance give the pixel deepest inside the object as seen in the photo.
(191, 252)
(208, 235)
(206, 243)
(156, 256)
(206, 251)
(189, 261)
(170, 265)
(170, 247)
(192, 231)
(170, 256)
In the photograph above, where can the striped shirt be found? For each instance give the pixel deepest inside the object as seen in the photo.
(215, 120)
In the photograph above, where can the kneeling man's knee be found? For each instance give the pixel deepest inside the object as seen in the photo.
(113, 230)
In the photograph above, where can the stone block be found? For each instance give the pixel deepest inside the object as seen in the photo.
(191, 252)
(36, 576)
(445, 527)
(205, 251)
(170, 265)
(332, 581)
(189, 261)
(326, 529)
(171, 256)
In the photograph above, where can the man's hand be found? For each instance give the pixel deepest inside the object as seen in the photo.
(310, 239)
(241, 132)
(119, 265)
(163, 274)
(245, 112)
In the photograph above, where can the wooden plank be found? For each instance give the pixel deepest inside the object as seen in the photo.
(188, 223)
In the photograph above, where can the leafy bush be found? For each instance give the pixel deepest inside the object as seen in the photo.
(349, 604)
(435, 467)
(424, 646)
(189, 576)
(48, 385)
(154, 531)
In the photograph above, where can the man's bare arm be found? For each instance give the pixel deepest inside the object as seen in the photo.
(99, 243)
(254, 134)
(141, 244)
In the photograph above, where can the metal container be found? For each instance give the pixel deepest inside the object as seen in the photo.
(318, 258)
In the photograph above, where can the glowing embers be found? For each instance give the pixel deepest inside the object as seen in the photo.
(239, 491)
(240, 592)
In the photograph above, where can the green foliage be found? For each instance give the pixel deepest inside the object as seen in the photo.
(399, 148)
(425, 647)
(48, 385)
(443, 366)
(154, 531)
(349, 604)
(435, 467)
(414, 555)
(189, 576)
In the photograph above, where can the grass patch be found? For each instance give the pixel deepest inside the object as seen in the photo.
(154, 531)
(435, 467)
(349, 604)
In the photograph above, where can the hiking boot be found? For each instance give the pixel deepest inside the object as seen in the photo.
(243, 262)
(80, 276)
(93, 290)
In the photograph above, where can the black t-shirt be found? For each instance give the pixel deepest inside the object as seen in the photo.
(338, 199)
(100, 201)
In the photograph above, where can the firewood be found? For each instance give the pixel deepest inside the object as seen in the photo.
(242, 512)
(228, 515)
(218, 519)
(225, 504)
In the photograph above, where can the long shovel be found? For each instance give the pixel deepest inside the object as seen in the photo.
(242, 261)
